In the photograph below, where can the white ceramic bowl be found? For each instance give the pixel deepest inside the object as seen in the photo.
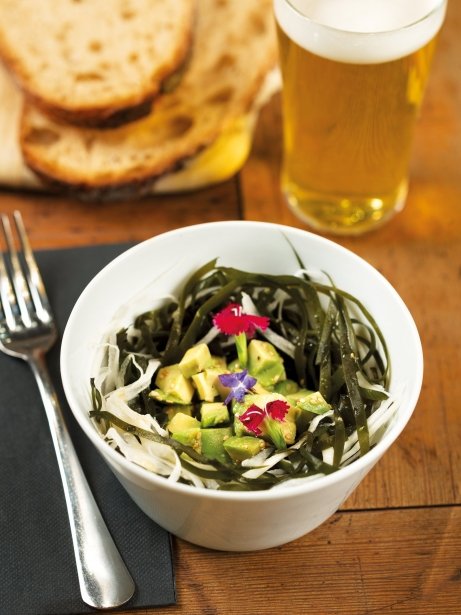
(234, 521)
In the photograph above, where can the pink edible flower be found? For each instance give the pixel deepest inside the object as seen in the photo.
(233, 321)
(254, 415)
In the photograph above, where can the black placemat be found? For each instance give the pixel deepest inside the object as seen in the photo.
(38, 573)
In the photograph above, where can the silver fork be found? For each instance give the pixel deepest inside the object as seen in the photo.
(27, 331)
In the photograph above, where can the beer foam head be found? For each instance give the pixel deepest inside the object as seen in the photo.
(360, 31)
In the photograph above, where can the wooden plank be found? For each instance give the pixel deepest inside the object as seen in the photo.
(404, 562)
(54, 221)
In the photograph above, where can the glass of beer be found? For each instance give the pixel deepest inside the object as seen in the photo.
(354, 74)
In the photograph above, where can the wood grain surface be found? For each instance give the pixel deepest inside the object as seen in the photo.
(395, 546)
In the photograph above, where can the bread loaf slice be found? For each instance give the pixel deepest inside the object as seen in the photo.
(95, 62)
(234, 48)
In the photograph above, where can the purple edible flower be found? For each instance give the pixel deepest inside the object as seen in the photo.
(239, 383)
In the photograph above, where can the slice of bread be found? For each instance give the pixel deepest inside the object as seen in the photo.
(234, 48)
(95, 62)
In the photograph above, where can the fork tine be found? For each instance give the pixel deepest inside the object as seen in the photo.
(19, 284)
(34, 279)
(7, 298)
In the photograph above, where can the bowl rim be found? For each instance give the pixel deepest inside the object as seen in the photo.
(357, 467)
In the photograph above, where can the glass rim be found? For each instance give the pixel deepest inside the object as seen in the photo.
(411, 24)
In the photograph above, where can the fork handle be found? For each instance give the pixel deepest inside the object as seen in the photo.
(103, 577)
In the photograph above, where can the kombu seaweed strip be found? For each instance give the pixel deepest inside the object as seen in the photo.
(176, 327)
(349, 364)
(323, 356)
(339, 439)
(191, 335)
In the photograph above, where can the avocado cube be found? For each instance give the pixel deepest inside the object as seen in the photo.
(212, 441)
(195, 360)
(292, 398)
(213, 413)
(234, 366)
(206, 383)
(172, 382)
(286, 387)
(189, 437)
(265, 363)
(218, 363)
(288, 429)
(168, 398)
(181, 422)
(314, 402)
(173, 409)
(244, 447)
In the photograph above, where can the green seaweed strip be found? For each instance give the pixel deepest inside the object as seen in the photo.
(314, 463)
(339, 439)
(206, 308)
(349, 365)
(345, 295)
(96, 398)
(176, 326)
(323, 356)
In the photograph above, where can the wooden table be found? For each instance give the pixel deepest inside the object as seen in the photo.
(395, 546)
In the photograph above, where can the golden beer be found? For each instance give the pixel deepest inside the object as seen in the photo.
(349, 123)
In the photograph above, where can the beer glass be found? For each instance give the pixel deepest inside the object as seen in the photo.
(354, 74)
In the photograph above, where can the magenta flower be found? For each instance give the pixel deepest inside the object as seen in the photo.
(233, 321)
(264, 420)
(239, 384)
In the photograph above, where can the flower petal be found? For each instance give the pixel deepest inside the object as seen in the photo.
(277, 409)
(256, 322)
(239, 383)
(229, 380)
(230, 320)
(252, 418)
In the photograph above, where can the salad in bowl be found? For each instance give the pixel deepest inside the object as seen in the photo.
(245, 380)
(240, 378)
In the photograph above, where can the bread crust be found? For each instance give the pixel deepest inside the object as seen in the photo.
(89, 112)
(216, 90)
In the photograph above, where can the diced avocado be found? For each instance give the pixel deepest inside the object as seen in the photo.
(213, 413)
(212, 441)
(195, 360)
(314, 402)
(292, 398)
(260, 390)
(244, 447)
(175, 408)
(206, 384)
(288, 429)
(171, 381)
(168, 398)
(189, 437)
(306, 407)
(286, 387)
(265, 363)
(234, 366)
(218, 363)
(181, 422)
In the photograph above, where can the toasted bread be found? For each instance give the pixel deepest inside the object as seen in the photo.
(95, 63)
(234, 48)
